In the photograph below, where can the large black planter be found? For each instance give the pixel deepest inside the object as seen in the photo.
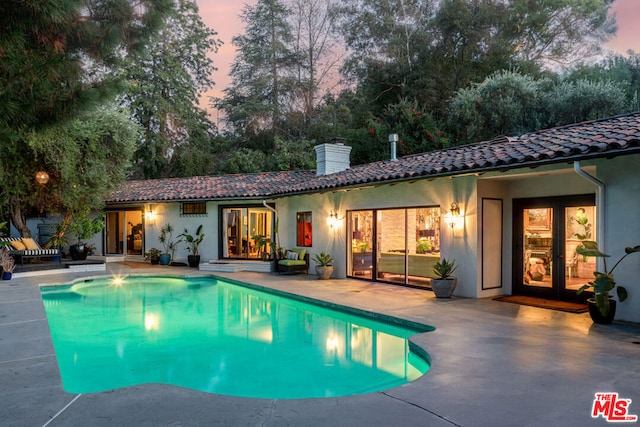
(597, 316)
(193, 260)
(78, 252)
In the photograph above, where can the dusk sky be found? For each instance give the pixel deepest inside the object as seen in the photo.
(222, 16)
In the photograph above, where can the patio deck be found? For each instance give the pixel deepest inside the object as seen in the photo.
(493, 364)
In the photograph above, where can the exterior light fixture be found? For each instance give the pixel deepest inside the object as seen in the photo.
(333, 221)
(453, 217)
(150, 214)
(42, 177)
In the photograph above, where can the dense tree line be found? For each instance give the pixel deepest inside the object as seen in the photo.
(437, 72)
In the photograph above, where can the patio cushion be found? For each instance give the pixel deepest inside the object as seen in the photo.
(17, 245)
(301, 252)
(30, 244)
(292, 255)
(290, 262)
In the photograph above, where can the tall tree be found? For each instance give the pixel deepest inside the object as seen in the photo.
(426, 51)
(315, 43)
(166, 81)
(385, 40)
(261, 82)
(53, 62)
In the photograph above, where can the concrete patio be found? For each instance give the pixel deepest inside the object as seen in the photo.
(493, 364)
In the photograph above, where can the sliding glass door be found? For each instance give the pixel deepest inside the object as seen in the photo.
(124, 232)
(395, 245)
(247, 232)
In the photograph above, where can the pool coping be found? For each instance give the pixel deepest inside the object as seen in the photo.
(493, 363)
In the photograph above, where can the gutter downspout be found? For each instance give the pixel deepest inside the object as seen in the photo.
(600, 200)
(275, 230)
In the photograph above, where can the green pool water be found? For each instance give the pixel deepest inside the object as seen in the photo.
(218, 337)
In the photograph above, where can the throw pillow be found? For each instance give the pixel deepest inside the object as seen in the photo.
(301, 253)
(17, 245)
(30, 244)
(292, 255)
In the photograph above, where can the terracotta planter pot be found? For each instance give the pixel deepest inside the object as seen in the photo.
(443, 288)
(325, 272)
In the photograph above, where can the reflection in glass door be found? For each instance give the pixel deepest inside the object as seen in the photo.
(538, 247)
(548, 232)
(247, 232)
(395, 245)
(361, 229)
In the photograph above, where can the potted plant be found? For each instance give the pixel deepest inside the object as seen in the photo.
(601, 307)
(262, 243)
(193, 242)
(168, 244)
(7, 263)
(58, 239)
(324, 265)
(444, 283)
(84, 228)
(153, 256)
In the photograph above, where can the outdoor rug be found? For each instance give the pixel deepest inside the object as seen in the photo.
(569, 307)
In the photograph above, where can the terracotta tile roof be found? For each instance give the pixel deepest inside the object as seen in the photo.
(595, 139)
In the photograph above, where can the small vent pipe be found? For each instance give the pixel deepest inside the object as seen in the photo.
(393, 139)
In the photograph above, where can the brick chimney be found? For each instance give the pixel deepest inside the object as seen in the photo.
(332, 157)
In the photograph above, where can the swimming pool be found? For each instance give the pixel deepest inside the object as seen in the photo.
(211, 335)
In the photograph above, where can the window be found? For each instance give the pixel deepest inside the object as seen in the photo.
(304, 231)
(194, 209)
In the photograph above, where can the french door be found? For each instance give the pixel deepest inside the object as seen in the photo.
(547, 232)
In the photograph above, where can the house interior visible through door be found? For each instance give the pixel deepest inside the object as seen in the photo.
(124, 233)
(550, 231)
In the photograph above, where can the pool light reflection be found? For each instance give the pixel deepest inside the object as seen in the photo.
(151, 322)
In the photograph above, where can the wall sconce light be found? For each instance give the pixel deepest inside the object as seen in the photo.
(150, 214)
(453, 217)
(42, 177)
(333, 221)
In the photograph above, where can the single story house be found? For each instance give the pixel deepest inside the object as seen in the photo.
(510, 212)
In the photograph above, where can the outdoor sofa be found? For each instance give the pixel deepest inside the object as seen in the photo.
(294, 261)
(26, 247)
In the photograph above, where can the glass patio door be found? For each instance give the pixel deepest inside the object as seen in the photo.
(394, 245)
(124, 233)
(243, 228)
(547, 233)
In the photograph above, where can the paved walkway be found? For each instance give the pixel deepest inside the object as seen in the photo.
(493, 364)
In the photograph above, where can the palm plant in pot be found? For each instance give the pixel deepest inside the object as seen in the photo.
(601, 307)
(444, 283)
(193, 242)
(168, 244)
(324, 265)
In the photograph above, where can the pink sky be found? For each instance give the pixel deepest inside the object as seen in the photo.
(222, 16)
